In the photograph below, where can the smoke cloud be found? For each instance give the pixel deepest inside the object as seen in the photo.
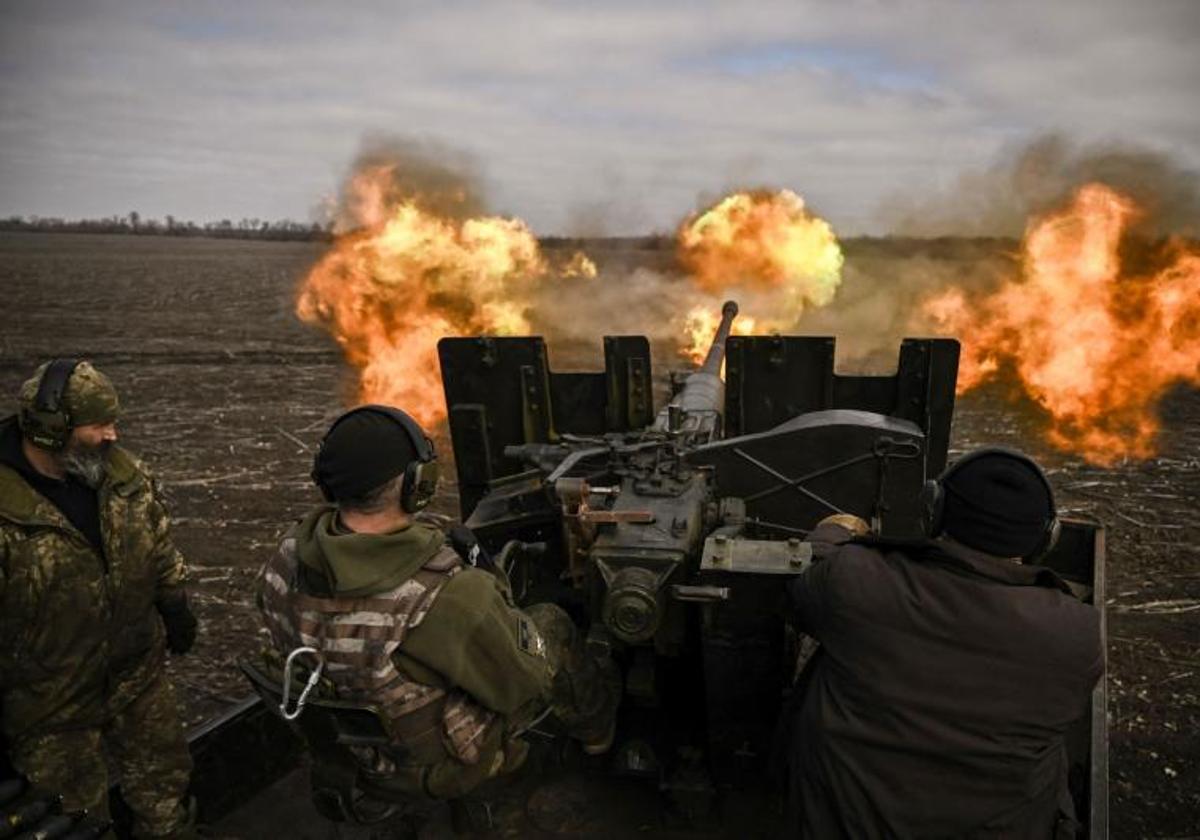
(446, 181)
(626, 297)
(883, 283)
(968, 238)
(1040, 175)
(641, 289)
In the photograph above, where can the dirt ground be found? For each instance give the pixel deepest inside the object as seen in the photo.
(226, 393)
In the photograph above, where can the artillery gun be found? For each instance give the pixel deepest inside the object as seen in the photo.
(670, 536)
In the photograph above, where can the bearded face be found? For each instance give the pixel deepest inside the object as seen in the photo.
(87, 451)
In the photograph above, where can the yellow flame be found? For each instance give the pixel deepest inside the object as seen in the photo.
(1093, 343)
(764, 248)
(579, 266)
(700, 325)
(390, 290)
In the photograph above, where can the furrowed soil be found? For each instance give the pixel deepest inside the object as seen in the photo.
(226, 393)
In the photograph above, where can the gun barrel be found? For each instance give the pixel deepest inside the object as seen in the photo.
(696, 410)
(716, 352)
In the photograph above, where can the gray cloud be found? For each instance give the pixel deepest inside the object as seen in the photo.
(616, 116)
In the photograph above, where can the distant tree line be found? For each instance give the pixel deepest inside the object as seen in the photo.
(652, 242)
(135, 224)
(291, 231)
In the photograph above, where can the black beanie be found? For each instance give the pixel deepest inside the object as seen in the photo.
(364, 449)
(997, 502)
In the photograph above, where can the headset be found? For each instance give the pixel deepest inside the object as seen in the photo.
(933, 500)
(47, 423)
(421, 474)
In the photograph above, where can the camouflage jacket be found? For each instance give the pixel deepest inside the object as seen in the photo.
(79, 633)
(403, 625)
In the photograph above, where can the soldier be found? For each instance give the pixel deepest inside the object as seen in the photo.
(89, 581)
(402, 623)
(949, 669)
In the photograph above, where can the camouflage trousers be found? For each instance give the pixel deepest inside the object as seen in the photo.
(147, 747)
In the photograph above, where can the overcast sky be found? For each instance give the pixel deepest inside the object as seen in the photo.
(582, 114)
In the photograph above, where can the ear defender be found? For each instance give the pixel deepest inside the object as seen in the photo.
(1049, 540)
(933, 500)
(420, 483)
(46, 423)
(420, 475)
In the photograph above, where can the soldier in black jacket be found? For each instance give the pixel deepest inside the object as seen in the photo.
(949, 669)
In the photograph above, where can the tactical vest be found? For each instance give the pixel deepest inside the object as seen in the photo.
(357, 638)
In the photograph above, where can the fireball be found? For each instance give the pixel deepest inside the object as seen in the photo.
(767, 250)
(389, 290)
(1095, 344)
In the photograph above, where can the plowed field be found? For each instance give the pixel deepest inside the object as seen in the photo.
(226, 392)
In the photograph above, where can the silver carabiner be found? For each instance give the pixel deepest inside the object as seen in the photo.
(287, 682)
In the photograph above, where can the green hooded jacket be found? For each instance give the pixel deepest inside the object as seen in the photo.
(471, 638)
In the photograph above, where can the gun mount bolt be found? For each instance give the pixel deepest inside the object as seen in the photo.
(793, 543)
(722, 551)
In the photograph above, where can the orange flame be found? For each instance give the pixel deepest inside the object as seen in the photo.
(700, 325)
(1093, 344)
(764, 248)
(578, 266)
(388, 291)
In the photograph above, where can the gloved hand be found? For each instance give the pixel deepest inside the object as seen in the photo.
(179, 622)
(855, 525)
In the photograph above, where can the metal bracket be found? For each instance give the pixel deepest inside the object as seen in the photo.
(700, 594)
(761, 557)
(535, 405)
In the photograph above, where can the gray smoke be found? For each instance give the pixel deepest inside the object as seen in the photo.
(447, 181)
(1042, 174)
(883, 284)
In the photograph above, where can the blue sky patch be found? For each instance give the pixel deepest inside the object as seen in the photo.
(867, 67)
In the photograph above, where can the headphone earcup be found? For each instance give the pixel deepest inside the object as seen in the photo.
(932, 504)
(933, 498)
(46, 423)
(45, 429)
(420, 483)
(1047, 543)
(421, 474)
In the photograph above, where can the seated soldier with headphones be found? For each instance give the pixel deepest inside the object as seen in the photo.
(397, 621)
(91, 595)
(949, 669)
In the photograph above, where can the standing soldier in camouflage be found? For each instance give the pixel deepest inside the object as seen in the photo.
(89, 582)
(403, 624)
